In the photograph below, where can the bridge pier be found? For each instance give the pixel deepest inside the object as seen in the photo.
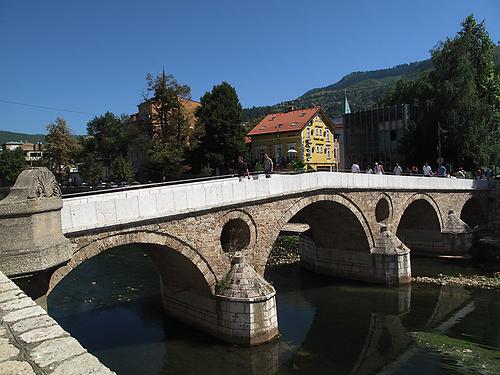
(457, 236)
(388, 263)
(243, 311)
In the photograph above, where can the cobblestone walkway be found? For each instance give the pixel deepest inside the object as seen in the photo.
(31, 342)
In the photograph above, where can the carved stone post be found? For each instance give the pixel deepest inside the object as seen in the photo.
(32, 240)
(457, 235)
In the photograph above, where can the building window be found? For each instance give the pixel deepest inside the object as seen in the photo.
(327, 132)
(393, 135)
(308, 133)
(328, 153)
(259, 152)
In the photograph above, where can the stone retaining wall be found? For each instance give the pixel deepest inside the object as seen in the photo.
(31, 342)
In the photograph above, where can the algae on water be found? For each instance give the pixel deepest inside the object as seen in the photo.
(470, 358)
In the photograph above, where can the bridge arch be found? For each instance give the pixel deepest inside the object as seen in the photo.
(473, 213)
(337, 199)
(419, 224)
(414, 198)
(161, 241)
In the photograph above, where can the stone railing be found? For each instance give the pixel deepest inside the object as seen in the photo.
(31, 342)
(115, 208)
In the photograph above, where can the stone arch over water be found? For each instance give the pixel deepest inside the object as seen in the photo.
(473, 213)
(420, 223)
(169, 254)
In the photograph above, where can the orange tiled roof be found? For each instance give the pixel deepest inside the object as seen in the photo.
(284, 122)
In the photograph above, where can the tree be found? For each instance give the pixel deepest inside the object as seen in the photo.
(91, 170)
(108, 136)
(461, 96)
(220, 117)
(12, 163)
(121, 170)
(60, 148)
(172, 136)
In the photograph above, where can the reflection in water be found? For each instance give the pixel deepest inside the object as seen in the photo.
(111, 303)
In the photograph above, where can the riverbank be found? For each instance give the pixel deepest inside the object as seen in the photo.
(491, 282)
(285, 251)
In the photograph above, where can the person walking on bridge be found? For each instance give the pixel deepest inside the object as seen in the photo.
(397, 170)
(242, 168)
(268, 165)
(355, 167)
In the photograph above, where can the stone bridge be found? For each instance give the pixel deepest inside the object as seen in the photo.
(211, 239)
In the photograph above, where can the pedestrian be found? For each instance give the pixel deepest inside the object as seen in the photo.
(397, 170)
(355, 167)
(427, 170)
(441, 172)
(242, 168)
(378, 169)
(369, 170)
(461, 173)
(268, 165)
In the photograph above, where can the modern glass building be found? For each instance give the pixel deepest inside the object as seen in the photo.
(374, 135)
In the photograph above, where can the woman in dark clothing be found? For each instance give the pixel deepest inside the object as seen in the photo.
(242, 168)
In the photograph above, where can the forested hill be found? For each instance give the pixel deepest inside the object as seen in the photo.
(6, 136)
(364, 89)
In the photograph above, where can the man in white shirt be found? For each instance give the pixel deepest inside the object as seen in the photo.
(355, 168)
(397, 169)
(427, 170)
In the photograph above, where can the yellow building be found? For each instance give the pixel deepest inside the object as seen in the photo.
(303, 134)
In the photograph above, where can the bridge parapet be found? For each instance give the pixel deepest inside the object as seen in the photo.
(116, 208)
(33, 343)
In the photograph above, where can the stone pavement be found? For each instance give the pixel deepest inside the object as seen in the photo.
(31, 342)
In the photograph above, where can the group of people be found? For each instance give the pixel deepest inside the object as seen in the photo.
(410, 170)
(378, 168)
(242, 167)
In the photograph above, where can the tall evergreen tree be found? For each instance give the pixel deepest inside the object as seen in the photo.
(220, 117)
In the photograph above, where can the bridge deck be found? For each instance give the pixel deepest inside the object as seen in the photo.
(114, 208)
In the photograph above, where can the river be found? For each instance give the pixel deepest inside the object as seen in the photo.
(111, 304)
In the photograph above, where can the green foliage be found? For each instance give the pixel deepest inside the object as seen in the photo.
(298, 165)
(108, 137)
(462, 95)
(12, 163)
(60, 148)
(220, 117)
(91, 170)
(121, 170)
(173, 138)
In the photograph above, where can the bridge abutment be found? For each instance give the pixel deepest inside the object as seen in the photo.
(388, 263)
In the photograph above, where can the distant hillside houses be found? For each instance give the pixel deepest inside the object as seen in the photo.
(32, 151)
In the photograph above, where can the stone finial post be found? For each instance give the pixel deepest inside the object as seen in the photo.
(246, 306)
(30, 225)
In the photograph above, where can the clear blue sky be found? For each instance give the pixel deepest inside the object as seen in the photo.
(93, 55)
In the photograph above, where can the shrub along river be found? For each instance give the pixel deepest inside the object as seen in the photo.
(111, 304)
